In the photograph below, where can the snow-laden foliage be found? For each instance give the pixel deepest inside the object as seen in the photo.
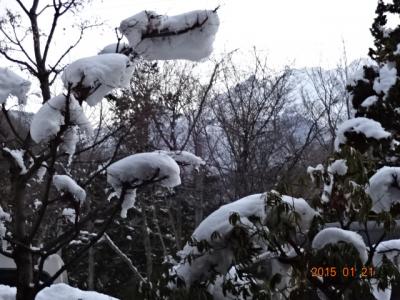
(47, 121)
(390, 249)
(66, 184)
(218, 222)
(384, 188)
(335, 235)
(13, 84)
(386, 79)
(338, 167)
(363, 126)
(157, 37)
(250, 213)
(91, 78)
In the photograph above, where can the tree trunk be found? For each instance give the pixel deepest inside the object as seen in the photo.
(91, 269)
(25, 288)
(23, 256)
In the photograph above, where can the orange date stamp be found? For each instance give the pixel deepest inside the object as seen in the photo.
(346, 272)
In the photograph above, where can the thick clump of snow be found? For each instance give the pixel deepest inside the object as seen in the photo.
(63, 291)
(387, 78)
(304, 211)
(335, 235)
(391, 249)
(133, 170)
(384, 188)
(69, 214)
(18, 156)
(184, 158)
(47, 121)
(369, 101)
(12, 84)
(185, 36)
(369, 128)
(311, 171)
(338, 167)
(7, 292)
(98, 75)
(66, 184)
(137, 168)
(128, 203)
(114, 48)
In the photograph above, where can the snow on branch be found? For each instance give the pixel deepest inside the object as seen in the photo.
(384, 188)
(66, 184)
(185, 36)
(18, 158)
(12, 84)
(390, 249)
(184, 158)
(48, 120)
(91, 78)
(137, 169)
(335, 235)
(364, 126)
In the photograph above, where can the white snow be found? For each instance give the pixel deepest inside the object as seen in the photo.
(135, 169)
(304, 211)
(391, 249)
(397, 51)
(253, 205)
(185, 36)
(384, 188)
(338, 167)
(312, 170)
(69, 214)
(369, 128)
(62, 291)
(184, 157)
(335, 235)
(70, 139)
(221, 256)
(13, 84)
(112, 48)
(100, 74)
(387, 78)
(47, 121)
(369, 101)
(41, 172)
(18, 156)
(64, 183)
(218, 221)
(7, 292)
(129, 202)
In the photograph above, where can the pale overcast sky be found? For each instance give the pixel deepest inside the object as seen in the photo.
(304, 32)
(290, 32)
